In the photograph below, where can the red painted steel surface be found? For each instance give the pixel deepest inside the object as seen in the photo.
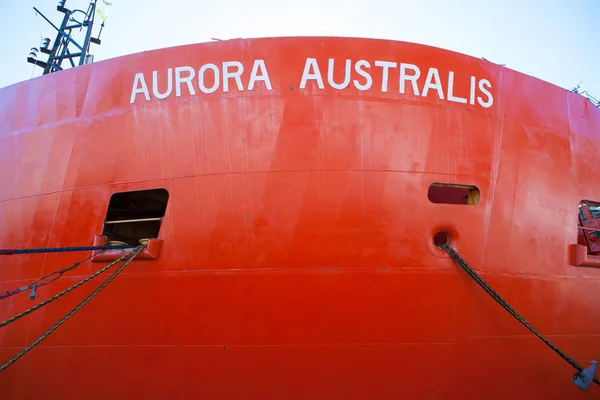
(297, 259)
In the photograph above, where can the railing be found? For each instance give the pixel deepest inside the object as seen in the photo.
(588, 255)
(126, 221)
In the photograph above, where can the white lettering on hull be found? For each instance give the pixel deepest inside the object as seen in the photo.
(412, 78)
(343, 74)
(202, 75)
(311, 65)
(364, 74)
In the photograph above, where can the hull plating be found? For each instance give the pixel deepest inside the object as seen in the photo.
(298, 259)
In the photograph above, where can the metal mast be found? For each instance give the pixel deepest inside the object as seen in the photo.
(65, 47)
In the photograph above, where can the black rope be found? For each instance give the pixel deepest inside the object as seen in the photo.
(44, 280)
(488, 289)
(8, 252)
(67, 290)
(133, 254)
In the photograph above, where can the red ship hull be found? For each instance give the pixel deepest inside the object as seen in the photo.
(297, 255)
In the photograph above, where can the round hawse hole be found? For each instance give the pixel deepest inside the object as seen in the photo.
(441, 238)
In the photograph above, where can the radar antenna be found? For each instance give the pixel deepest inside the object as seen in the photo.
(65, 47)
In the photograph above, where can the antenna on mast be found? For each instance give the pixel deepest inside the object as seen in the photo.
(65, 47)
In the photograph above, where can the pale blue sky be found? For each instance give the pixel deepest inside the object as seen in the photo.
(556, 41)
